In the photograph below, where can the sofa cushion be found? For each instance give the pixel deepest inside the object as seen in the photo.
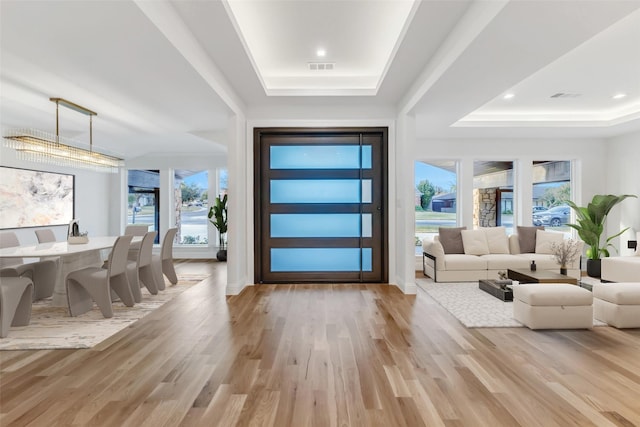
(618, 293)
(527, 238)
(552, 294)
(497, 240)
(455, 262)
(475, 242)
(451, 239)
(544, 240)
(505, 261)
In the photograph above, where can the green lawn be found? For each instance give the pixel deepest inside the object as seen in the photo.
(435, 215)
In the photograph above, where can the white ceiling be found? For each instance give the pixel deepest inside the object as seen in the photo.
(165, 76)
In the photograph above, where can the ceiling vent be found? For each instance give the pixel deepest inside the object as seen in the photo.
(565, 95)
(321, 66)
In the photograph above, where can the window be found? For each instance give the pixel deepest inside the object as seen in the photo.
(551, 191)
(435, 198)
(143, 204)
(493, 194)
(191, 204)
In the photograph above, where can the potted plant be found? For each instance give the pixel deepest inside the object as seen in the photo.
(218, 217)
(565, 253)
(591, 220)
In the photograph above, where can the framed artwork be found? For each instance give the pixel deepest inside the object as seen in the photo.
(31, 198)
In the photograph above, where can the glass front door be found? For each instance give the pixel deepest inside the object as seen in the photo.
(320, 201)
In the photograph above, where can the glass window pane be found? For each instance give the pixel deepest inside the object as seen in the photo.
(367, 260)
(367, 225)
(493, 194)
(366, 157)
(551, 191)
(366, 191)
(315, 157)
(320, 259)
(315, 225)
(191, 201)
(435, 198)
(142, 206)
(316, 191)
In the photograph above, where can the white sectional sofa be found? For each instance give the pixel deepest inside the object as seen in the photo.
(460, 255)
(622, 268)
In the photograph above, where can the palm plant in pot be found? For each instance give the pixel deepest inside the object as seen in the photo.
(591, 221)
(218, 217)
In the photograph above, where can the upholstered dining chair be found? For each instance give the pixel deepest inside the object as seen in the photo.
(136, 230)
(163, 263)
(15, 302)
(140, 271)
(43, 273)
(95, 284)
(45, 235)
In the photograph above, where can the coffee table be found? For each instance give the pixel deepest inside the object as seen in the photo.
(539, 276)
(493, 288)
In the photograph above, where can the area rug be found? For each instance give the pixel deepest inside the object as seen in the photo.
(473, 307)
(53, 328)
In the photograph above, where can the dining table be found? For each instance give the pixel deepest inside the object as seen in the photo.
(71, 257)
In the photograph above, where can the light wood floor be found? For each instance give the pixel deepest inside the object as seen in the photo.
(358, 355)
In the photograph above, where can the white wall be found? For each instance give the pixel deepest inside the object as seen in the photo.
(622, 173)
(92, 198)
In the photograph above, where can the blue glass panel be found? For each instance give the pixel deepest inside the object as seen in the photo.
(319, 259)
(316, 191)
(315, 225)
(367, 260)
(366, 157)
(315, 157)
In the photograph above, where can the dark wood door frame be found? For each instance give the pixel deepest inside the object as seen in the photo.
(319, 136)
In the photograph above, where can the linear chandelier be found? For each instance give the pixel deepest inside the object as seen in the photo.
(38, 146)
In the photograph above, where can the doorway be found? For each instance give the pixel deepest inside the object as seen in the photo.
(320, 201)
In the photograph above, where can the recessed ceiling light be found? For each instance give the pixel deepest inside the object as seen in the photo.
(619, 95)
(508, 96)
(321, 53)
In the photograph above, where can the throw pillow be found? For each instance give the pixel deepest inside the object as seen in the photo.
(544, 239)
(475, 242)
(527, 239)
(451, 239)
(497, 240)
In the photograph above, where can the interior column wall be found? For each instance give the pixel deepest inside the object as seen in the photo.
(622, 173)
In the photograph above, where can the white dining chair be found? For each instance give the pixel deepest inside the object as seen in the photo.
(43, 273)
(95, 284)
(45, 235)
(139, 271)
(163, 263)
(136, 230)
(15, 302)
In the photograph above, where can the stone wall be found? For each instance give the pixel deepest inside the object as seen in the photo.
(484, 207)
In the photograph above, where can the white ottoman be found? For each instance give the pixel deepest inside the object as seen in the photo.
(617, 304)
(553, 306)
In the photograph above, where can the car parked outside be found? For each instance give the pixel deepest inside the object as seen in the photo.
(537, 209)
(554, 217)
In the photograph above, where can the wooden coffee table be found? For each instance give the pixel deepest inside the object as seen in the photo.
(539, 276)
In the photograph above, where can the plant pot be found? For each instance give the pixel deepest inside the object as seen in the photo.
(222, 255)
(563, 270)
(593, 267)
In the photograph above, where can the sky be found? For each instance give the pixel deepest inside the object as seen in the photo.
(438, 177)
(201, 179)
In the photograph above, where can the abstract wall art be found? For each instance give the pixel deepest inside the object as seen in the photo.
(30, 198)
